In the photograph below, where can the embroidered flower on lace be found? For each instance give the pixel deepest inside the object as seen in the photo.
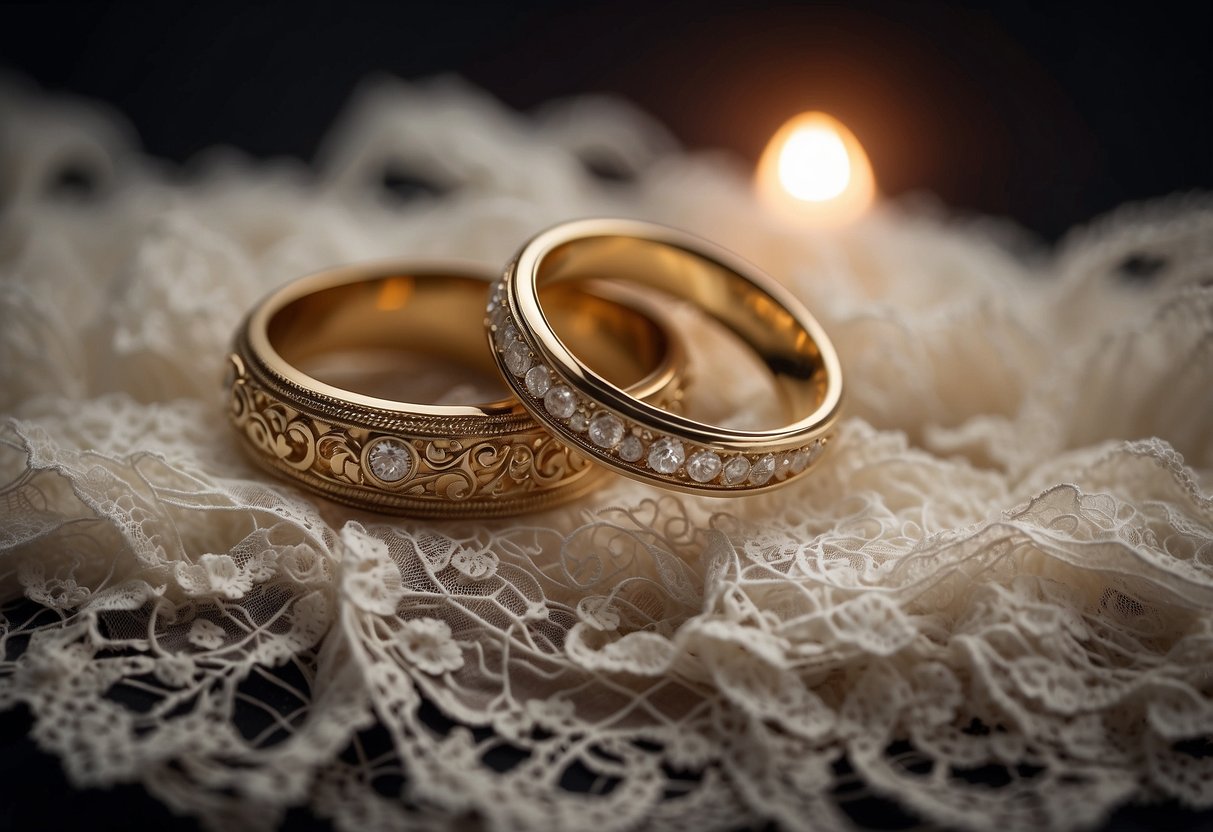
(427, 643)
(474, 564)
(304, 564)
(176, 671)
(370, 578)
(515, 724)
(206, 635)
(214, 575)
(690, 750)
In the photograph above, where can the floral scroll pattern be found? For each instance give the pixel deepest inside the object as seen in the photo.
(451, 468)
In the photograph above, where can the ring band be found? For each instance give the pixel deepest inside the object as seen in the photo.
(640, 439)
(372, 450)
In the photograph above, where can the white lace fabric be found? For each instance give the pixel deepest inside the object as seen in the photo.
(1005, 564)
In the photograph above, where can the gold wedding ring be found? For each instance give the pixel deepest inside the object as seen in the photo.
(366, 443)
(641, 439)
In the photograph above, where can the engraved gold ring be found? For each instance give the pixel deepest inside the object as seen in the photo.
(325, 373)
(641, 439)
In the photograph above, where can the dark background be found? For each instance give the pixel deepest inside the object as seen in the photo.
(1046, 113)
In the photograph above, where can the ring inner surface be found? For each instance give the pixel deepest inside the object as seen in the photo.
(778, 339)
(420, 337)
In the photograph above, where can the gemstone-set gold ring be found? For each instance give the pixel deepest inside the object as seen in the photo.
(640, 440)
(325, 372)
(333, 377)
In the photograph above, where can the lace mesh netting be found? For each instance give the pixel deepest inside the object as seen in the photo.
(994, 602)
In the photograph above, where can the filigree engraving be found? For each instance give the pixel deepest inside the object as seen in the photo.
(446, 469)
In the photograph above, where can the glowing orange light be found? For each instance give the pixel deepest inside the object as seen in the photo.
(815, 170)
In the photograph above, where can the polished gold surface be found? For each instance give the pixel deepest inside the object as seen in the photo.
(326, 373)
(761, 313)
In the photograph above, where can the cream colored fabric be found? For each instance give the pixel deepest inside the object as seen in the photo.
(1007, 559)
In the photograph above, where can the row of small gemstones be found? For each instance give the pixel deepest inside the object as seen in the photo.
(605, 430)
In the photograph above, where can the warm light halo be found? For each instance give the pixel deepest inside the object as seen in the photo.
(813, 164)
(814, 170)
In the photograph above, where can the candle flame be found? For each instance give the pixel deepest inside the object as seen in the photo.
(814, 169)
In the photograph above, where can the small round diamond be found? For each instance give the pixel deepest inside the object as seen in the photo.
(666, 455)
(783, 466)
(801, 459)
(703, 466)
(606, 429)
(498, 313)
(578, 423)
(389, 460)
(631, 449)
(560, 401)
(538, 381)
(736, 470)
(505, 335)
(762, 470)
(815, 450)
(518, 358)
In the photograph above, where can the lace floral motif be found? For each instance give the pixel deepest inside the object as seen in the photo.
(1005, 567)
